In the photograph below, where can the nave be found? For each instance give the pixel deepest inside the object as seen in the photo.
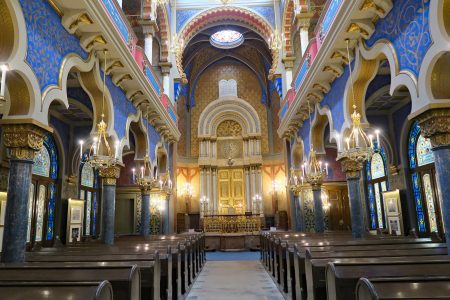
(175, 149)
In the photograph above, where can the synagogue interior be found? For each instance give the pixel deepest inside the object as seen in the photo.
(224, 149)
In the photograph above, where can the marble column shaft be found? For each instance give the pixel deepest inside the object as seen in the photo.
(357, 218)
(319, 224)
(22, 141)
(145, 213)
(352, 169)
(109, 176)
(15, 233)
(297, 212)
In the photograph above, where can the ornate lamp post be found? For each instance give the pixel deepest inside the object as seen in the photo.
(204, 203)
(357, 149)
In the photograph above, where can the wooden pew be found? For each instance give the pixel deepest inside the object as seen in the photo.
(150, 274)
(125, 279)
(403, 288)
(293, 255)
(316, 263)
(56, 290)
(342, 278)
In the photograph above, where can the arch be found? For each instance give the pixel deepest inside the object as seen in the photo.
(164, 31)
(288, 15)
(297, 154)
(21, 81)
(135, 125)
(91, 81)
(322, 117)
(216, 59)
(229, 108)
(230, 14)
(161, 157)
(385, 50)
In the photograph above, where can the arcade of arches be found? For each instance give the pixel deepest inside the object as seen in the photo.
(128, 121)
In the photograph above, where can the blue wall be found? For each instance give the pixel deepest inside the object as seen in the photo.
(407, 28)
(48, 41)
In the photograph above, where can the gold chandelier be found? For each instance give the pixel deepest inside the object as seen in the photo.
(100, 154)
(358, 145)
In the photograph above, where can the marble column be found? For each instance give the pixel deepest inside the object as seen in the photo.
(319, 224)
(22, 142)
(165, 70)
(248, 197)
(145, 212)
(109, 176)
(297, 211)
(166, 223)
(352, 170)
(214, 189)
(303, 23)
(288, 76)
(435, 125)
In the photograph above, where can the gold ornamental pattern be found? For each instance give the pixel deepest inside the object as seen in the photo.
(352, 167)
(110, 175)
(435, 125)
(23, 140)
(229, 128)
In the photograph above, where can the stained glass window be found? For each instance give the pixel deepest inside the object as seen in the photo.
(421, 154)
(430, 202)
(40, 212)
(377, 166)
(41, 164)
(423, 150)
(376, 184)
(51, 211)
(88, 213)
(227, 39)
(87, 176)
(373, 220)
(30, 211)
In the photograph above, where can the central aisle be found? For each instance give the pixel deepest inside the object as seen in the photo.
(233, 279)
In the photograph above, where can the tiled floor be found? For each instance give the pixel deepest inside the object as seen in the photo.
(246, 280)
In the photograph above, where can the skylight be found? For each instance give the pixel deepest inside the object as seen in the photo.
(227, 39)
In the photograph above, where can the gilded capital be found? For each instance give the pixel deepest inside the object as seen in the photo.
(435, 125)
(352, 168)
(110, 175)
(23, 140)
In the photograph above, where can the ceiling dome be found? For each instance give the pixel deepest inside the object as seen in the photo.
(227, 39)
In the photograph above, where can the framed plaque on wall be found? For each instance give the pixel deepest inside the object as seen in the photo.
(393, 210)
(75, 219)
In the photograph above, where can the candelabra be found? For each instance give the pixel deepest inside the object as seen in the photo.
(257, 204)
(100, 154)
(204, 206)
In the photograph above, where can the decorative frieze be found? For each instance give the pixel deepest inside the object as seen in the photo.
(435, 125)
(23, 140)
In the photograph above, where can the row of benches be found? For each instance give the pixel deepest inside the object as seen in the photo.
(335, 266)
(162, 267)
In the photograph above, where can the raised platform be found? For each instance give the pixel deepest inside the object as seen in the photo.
(232, 241)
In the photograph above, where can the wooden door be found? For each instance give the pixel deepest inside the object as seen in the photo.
(231, 191)
(339, 211)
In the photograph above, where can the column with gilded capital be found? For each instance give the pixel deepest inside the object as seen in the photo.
(109, 176)
(22, 142)
(352, 170)
(435, 125)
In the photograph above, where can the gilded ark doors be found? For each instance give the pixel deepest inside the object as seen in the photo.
(231, 191)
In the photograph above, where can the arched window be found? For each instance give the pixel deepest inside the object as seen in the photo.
(376, 184)
(423, 177)
(89, 193)
(43, 191)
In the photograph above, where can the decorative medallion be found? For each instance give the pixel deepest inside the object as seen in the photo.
(229, 128)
